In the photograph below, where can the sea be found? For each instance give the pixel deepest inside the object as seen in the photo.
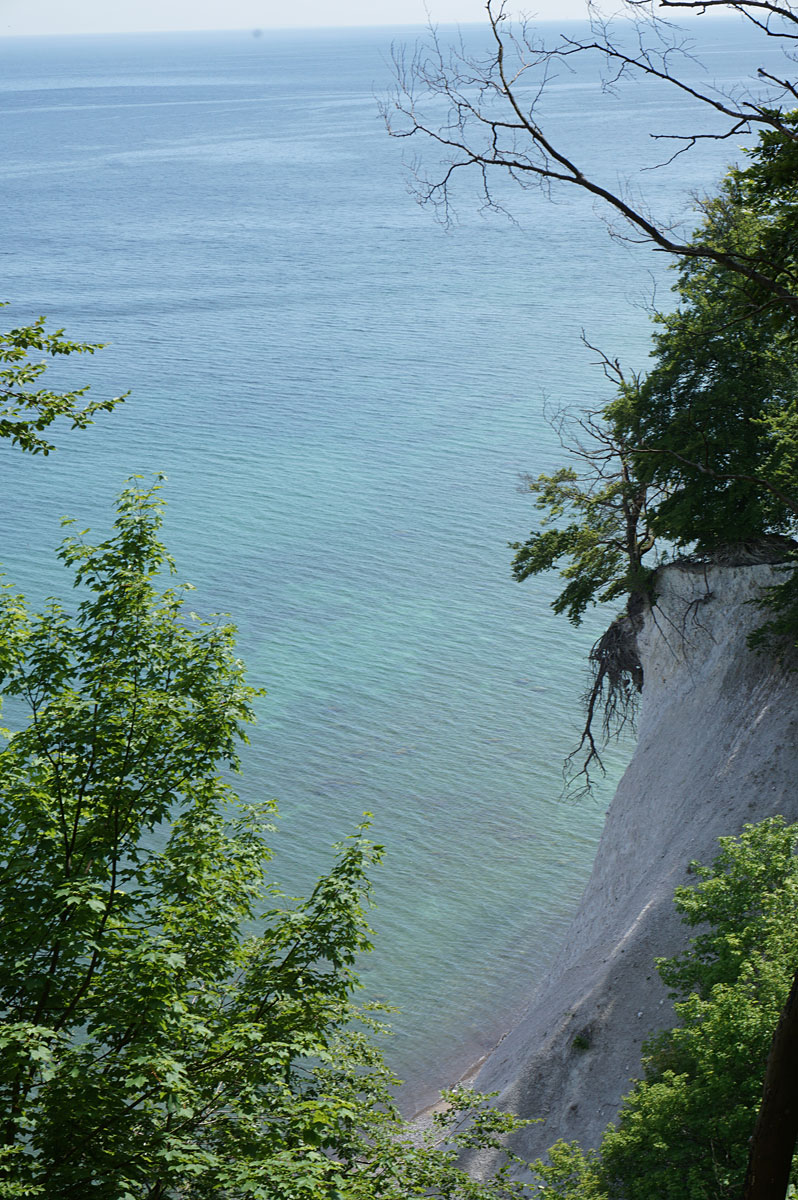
(344, 395)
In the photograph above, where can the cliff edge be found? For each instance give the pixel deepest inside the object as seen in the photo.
(716, 749)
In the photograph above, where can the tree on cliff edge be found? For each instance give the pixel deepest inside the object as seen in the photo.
(703, 451)
(700, 454)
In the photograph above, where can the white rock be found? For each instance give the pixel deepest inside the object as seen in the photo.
(716, 748)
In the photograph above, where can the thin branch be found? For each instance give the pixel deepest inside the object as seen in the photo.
(475, 136)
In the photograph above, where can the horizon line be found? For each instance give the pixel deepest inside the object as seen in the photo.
(257, 31)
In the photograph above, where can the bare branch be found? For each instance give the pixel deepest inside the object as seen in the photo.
(744, 7)
(489, 122)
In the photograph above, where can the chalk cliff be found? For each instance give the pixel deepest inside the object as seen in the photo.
(717, 747)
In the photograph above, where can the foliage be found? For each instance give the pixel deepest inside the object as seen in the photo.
(152, 1044)
(603, 560)
(570, 1173)
(780, 603)
(714, 421)
(25, 409)
(598, 519)
(683, 1132)
(769, 189)
(702, 452)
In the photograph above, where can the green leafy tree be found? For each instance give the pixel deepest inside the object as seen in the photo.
(152, 1043)
(768, 190)
(596, 518)
(714, 421)
(26, 409)
(683, 1132)
(701, 452)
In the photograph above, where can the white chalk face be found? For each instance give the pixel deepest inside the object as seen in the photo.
(96, 16)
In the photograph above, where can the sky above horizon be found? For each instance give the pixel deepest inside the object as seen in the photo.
(21, 17)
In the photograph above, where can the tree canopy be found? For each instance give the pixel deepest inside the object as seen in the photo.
(714, 420)
(701, 452)
(172, 1025)
(684, 1130)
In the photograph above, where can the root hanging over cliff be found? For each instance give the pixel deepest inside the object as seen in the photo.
(611, 699)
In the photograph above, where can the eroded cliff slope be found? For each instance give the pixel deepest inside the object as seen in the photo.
(716, 748)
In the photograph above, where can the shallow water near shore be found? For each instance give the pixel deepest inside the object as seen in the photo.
(342, 395)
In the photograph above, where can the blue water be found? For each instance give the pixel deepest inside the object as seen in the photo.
(342, 395)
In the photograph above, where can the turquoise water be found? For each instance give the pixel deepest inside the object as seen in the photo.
(342, 395)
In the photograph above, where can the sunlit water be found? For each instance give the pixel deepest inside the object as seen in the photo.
(342, 395)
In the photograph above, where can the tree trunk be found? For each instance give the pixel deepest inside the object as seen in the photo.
(776, 1130)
